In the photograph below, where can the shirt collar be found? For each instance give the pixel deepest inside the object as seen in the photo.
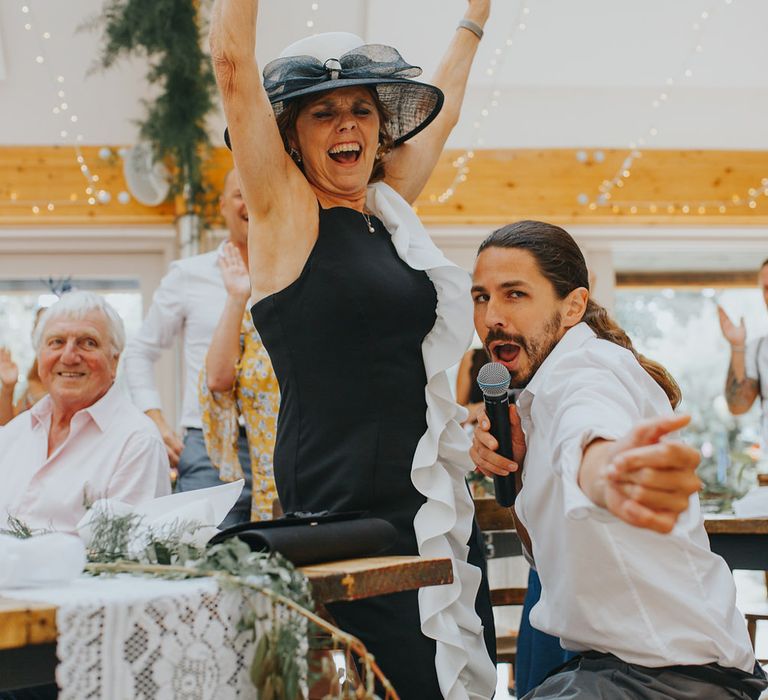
(41, 411)
(574, 338)
(102, 412)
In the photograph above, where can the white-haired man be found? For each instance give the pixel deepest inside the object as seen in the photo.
(85, 440)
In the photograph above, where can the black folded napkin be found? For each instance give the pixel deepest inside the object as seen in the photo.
(313, 538)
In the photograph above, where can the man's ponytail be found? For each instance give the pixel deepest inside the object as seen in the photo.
(597, 318)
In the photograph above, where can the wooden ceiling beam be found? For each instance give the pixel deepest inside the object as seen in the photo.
(501, 186)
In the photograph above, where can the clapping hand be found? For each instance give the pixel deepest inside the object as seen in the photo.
(735, 335)
(9, 372)
(237, 282)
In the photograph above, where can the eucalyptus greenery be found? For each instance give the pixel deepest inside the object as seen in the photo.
(18, 528)
(168, 34)
(123, 543)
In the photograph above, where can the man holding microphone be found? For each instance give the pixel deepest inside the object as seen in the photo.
(607, 508)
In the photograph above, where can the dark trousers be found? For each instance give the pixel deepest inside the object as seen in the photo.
(197, 472)
(537, 653)
(595, 676)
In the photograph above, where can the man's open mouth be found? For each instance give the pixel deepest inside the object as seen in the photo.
(505, 352)
(346, 153)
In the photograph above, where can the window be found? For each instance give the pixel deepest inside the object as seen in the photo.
(678, 327)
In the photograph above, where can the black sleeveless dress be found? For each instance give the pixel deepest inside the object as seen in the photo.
(345, 343)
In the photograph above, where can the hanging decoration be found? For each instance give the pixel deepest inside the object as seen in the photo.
(461, 164)
(168, 34)
(607, 196)
(310, 23)
(69, 129)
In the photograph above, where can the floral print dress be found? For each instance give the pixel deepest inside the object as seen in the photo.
(256, 397)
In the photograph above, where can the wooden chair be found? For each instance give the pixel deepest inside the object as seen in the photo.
(752, 617)
(498, 528)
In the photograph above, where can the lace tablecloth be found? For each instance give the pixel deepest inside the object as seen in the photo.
(137, 638)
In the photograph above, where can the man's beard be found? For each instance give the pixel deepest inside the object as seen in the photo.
(536, 349)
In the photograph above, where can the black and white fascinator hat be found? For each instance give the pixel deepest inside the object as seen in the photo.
(335, 60)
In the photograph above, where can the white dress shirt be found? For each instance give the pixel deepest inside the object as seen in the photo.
(650, 599)
(189, 300)
(112, 451)
(756, 362)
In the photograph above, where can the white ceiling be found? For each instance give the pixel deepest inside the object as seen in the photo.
(583, 73)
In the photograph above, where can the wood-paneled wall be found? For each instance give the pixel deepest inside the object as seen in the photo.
(501, 186)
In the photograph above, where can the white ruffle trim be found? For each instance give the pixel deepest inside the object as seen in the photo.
(444, 523)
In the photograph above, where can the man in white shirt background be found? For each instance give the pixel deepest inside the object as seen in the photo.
(85, 440)
(607, 507)
(188, 303)
(748, 371)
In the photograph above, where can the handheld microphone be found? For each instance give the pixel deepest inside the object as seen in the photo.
(493, 380)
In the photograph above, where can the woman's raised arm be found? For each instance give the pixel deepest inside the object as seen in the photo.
(256, 144)
(273, 187)
(411, 164)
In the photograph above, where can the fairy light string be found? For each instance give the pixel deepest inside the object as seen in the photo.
(69, 129)
(461, 164)
(607, 196)
(313, 8)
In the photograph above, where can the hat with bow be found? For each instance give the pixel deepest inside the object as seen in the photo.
(337, 60)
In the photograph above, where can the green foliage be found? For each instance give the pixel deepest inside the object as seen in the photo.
(168, 34)
(18, 528)
(125, 544)
(111, 537)
(271, 571)
(172, 551)
(274, 669)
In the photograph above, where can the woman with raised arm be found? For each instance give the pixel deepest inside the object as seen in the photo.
(361, 315)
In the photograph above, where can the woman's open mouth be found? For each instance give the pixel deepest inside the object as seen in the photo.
(346, 153)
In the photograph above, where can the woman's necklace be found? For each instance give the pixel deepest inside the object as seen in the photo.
(367, 218)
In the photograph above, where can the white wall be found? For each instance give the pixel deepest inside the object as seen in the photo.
(582, 73)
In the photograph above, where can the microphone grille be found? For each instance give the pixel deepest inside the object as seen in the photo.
(493, 379)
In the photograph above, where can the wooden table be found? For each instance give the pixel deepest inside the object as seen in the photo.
(742, 542)
(28, 630)
(364, 578)
(27, 643)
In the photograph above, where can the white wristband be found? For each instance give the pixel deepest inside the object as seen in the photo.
(473, 27)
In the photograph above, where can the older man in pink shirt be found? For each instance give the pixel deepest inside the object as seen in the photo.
(85, 440)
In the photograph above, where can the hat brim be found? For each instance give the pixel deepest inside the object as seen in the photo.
(411, 105)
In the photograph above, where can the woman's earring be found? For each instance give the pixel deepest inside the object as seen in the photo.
(295, 155)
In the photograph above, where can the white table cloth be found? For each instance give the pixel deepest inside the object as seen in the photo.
(137, 638)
